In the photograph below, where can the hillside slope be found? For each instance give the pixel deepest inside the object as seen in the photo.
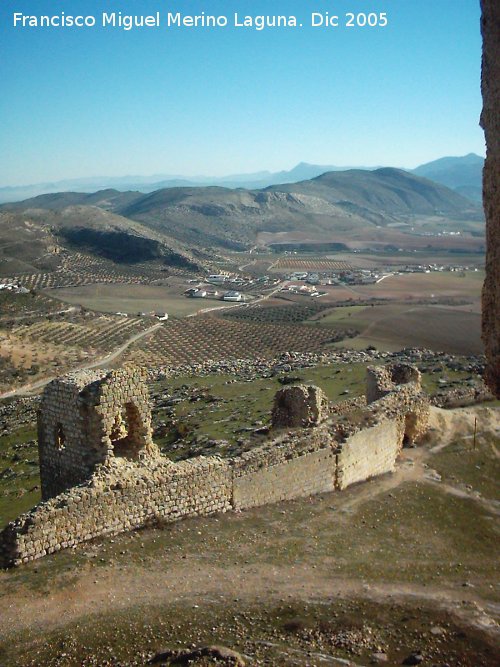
(333, 203)
(41, 235)
(335, 207)
(462, 174)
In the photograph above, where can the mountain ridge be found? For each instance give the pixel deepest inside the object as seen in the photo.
(335, 206)
(455, 172)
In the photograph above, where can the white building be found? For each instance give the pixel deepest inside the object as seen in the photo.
(232, 296)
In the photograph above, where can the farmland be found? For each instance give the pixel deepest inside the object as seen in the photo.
(131, 299)
(49, 332)
(391, 327)
(319, 263)
(80, 269)
(32, 348)
(194, 340)
(459, 285)
(278, 311)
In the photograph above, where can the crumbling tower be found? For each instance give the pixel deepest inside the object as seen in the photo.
(404, 383)
(91, 418)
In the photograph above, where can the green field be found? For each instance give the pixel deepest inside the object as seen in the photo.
(132, 299)
(392, 327)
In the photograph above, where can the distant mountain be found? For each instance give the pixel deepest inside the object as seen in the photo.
(181, 226)
(463, 174)
(386, 190)
(260, 179)
(57, 201)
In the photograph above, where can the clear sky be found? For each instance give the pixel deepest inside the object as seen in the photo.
(80, 102)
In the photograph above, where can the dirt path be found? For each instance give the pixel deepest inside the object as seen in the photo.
(103, 361)
(195, 579)
(107, 590)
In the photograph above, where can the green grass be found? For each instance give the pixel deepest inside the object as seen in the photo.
(227, 408)
(477, 468)
(339, 315)
(19, 474)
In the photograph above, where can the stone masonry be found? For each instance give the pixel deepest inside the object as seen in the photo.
(88, 418)
(102, 474)
(299, 405)
(382, 380)
(490, 121)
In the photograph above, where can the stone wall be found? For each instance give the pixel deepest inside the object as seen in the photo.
(87, 419)
(381, 380)
(490, 121)
(369, 452)
(120, 497)
(129, 484)
(300, 405)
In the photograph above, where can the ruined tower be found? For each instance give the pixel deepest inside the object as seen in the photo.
(490, 121)
(91, 418)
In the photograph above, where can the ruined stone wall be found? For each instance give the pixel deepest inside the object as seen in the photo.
(118, 499)
(62, 436)
(303, 476)
(381, 380)
(88, 418)
(290, 466)
(135, 486)
(369, 452)
(300, 405)
(490, 121)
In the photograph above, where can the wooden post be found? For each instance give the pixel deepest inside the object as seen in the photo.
(475, 431)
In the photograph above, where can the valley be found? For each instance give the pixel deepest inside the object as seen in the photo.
(225, 297)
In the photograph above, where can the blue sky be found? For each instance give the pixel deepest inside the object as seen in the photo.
(84, 102)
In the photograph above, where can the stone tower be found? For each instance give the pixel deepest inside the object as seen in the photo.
(91, 418)
(490, 121)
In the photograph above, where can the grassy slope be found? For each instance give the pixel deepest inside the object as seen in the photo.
(277, 582)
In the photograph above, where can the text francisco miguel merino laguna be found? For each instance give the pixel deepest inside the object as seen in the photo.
(203, 20)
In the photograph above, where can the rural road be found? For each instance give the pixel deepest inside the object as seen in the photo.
(30, 388)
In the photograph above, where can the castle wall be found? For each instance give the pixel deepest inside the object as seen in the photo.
(124, 495)
(134, 485)
(369, 452)
(63, 436)
(305, 475)
(77, 420)
(116, 501)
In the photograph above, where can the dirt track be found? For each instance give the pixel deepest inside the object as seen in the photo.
(196, 577)
(103, 361)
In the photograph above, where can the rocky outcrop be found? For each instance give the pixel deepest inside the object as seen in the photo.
(490, 121)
